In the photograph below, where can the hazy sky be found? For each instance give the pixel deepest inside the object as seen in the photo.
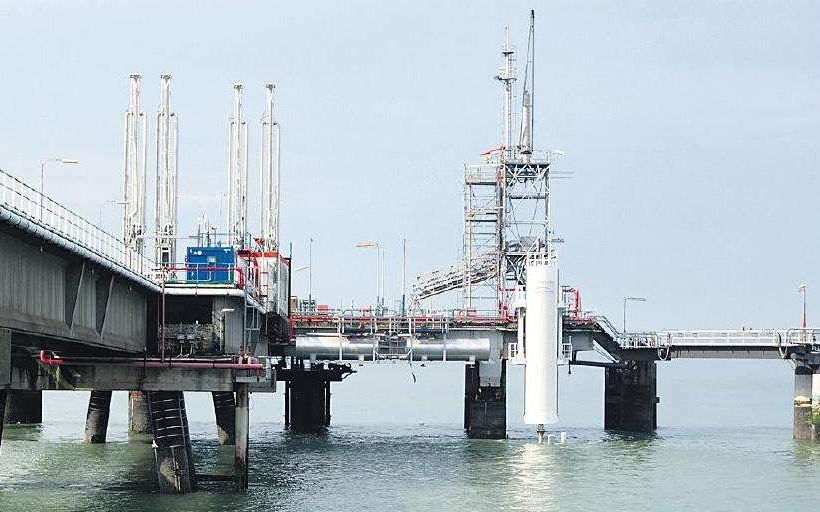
(692, 129)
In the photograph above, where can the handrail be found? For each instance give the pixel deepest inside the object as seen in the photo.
(32, 205)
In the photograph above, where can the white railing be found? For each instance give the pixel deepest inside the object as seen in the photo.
(722, 338)
(30, 204)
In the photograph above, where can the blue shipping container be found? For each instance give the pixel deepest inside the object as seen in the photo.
(210, 258)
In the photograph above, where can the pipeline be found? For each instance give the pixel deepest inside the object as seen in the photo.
(245, 363)
(334, 348)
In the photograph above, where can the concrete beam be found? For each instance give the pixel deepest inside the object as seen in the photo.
(96, 420)
(28, 375)
(74, 277)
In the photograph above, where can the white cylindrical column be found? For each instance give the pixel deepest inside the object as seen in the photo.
(815, 405)
(541, 343)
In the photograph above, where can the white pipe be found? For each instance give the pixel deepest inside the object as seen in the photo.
(340, 348)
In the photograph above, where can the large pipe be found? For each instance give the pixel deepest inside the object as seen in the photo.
(333, 348)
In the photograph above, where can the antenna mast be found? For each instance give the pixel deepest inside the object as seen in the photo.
(238, 173)
(507, 77)
(167, 192)
(134, 157)
(525, 142)
(271, 162)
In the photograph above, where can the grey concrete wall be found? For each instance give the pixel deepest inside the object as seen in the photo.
(48, 293)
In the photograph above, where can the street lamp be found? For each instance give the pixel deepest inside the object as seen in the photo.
(403, 275)
(310, 273)
(107, 202)
(302, 269)
(802, 290)
(64, 161)
(378, 247)
(634, 299)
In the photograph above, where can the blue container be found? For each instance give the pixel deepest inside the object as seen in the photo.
(210, 260)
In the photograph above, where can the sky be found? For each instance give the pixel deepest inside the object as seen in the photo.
(690, 129)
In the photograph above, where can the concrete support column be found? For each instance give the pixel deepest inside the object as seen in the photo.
(173, 455)
(96, 420)
(224, 410)
(485, 400)
(3, 394)
(24, 407)
(139, 421)
(631, 397)
(307, 403)
(815, 405)
(242, 423)
(803, 429)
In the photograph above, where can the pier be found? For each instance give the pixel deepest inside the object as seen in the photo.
(82, 309)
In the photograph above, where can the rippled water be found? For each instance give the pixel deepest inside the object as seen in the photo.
(427, 468)
(378, 457)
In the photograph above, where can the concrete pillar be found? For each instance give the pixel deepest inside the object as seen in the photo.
(485, 400)
(224, 410)
(173, 455)
(96, 420)
(815, 405)
(139, 420)
(3, 394)
(307, 403)
(802, 429)
(630, 397)
(24, 407)
(242, 423)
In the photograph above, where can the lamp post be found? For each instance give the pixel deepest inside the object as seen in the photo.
(403, 276)
(377, 246)
(63, 161)
(107, 202)
(802, 290)
(634, 299)
(310, 273)
(294, 271)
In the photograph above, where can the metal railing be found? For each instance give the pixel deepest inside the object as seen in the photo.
(710, 338)
(41, 210)
(772, 338)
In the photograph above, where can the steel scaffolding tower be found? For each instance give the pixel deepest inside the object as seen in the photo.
(238, 173)
(506, 206)
(166, 202)
(134, 157)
